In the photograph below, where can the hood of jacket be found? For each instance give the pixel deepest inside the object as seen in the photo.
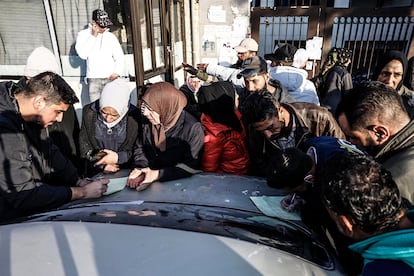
(213, 127)
(395, 245)
(290, 77)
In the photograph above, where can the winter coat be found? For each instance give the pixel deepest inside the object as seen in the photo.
(182, 157)
(35, 176)
(224, 148)
(407, 97)
(398, 157)
(88, 141)
(296, 82)
(337, 83)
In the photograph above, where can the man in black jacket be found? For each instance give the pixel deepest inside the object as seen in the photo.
(34, 175)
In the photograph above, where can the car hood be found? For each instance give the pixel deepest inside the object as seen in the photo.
(79, 248)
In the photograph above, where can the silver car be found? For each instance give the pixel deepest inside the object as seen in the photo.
(203, 225)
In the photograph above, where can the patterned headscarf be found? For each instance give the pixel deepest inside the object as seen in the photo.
(168, 102)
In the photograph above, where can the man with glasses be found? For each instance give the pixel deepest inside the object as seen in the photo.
(373, 117)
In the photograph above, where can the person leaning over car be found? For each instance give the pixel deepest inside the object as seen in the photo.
(34, 174)
(172, 139)
(374, 118)
(364, 202)
(274, 126)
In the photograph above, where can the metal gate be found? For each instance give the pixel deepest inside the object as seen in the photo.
(368, 32)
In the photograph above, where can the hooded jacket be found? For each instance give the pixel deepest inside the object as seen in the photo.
(398, 157)
(296, 82)
(387, 254)
(406, 94)
(103, 53)
(35, 176)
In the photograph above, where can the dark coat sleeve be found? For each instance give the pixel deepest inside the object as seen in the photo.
(22, 191)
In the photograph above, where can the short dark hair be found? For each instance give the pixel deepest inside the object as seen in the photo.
(371, 100)
(288, 168)
(52, 86)
(358, 187)
(259, 106)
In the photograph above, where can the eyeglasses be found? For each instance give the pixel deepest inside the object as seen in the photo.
(109, 114)
(144, 106)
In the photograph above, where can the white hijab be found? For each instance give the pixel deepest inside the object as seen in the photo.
(115, 94)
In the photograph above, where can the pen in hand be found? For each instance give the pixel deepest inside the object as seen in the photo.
(292, 200)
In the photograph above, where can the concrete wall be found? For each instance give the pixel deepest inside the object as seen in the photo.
(222, 25)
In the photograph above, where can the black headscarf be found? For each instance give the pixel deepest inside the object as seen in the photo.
(217, 101)
(391, 55)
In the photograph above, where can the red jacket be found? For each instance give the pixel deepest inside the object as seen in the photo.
(224, 148)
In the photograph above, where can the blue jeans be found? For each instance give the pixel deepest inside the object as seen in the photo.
(95, 88)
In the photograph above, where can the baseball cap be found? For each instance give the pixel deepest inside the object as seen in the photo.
(252, 66)
(285, 52)
(101, 18)
(247, 44)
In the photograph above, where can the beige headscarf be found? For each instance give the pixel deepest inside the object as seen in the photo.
(168, 102)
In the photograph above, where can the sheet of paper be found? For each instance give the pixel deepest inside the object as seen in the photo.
(116, 185)
(270, 206)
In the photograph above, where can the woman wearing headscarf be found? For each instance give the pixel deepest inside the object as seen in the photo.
(390, 70)
(190, 90)
(338, 80)
(224, 142)
(172, 139)
(109, 130)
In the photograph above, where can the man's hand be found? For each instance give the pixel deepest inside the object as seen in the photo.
(190, 69)
(202, 66)
(93, 189)
(113, 77)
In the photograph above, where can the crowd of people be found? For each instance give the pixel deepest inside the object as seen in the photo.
(342, 153)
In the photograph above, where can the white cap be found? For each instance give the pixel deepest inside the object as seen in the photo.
(41, 60)
(247, 44)
(300, 58)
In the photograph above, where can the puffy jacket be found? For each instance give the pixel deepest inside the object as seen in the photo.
(296, 82)
(224, 148)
